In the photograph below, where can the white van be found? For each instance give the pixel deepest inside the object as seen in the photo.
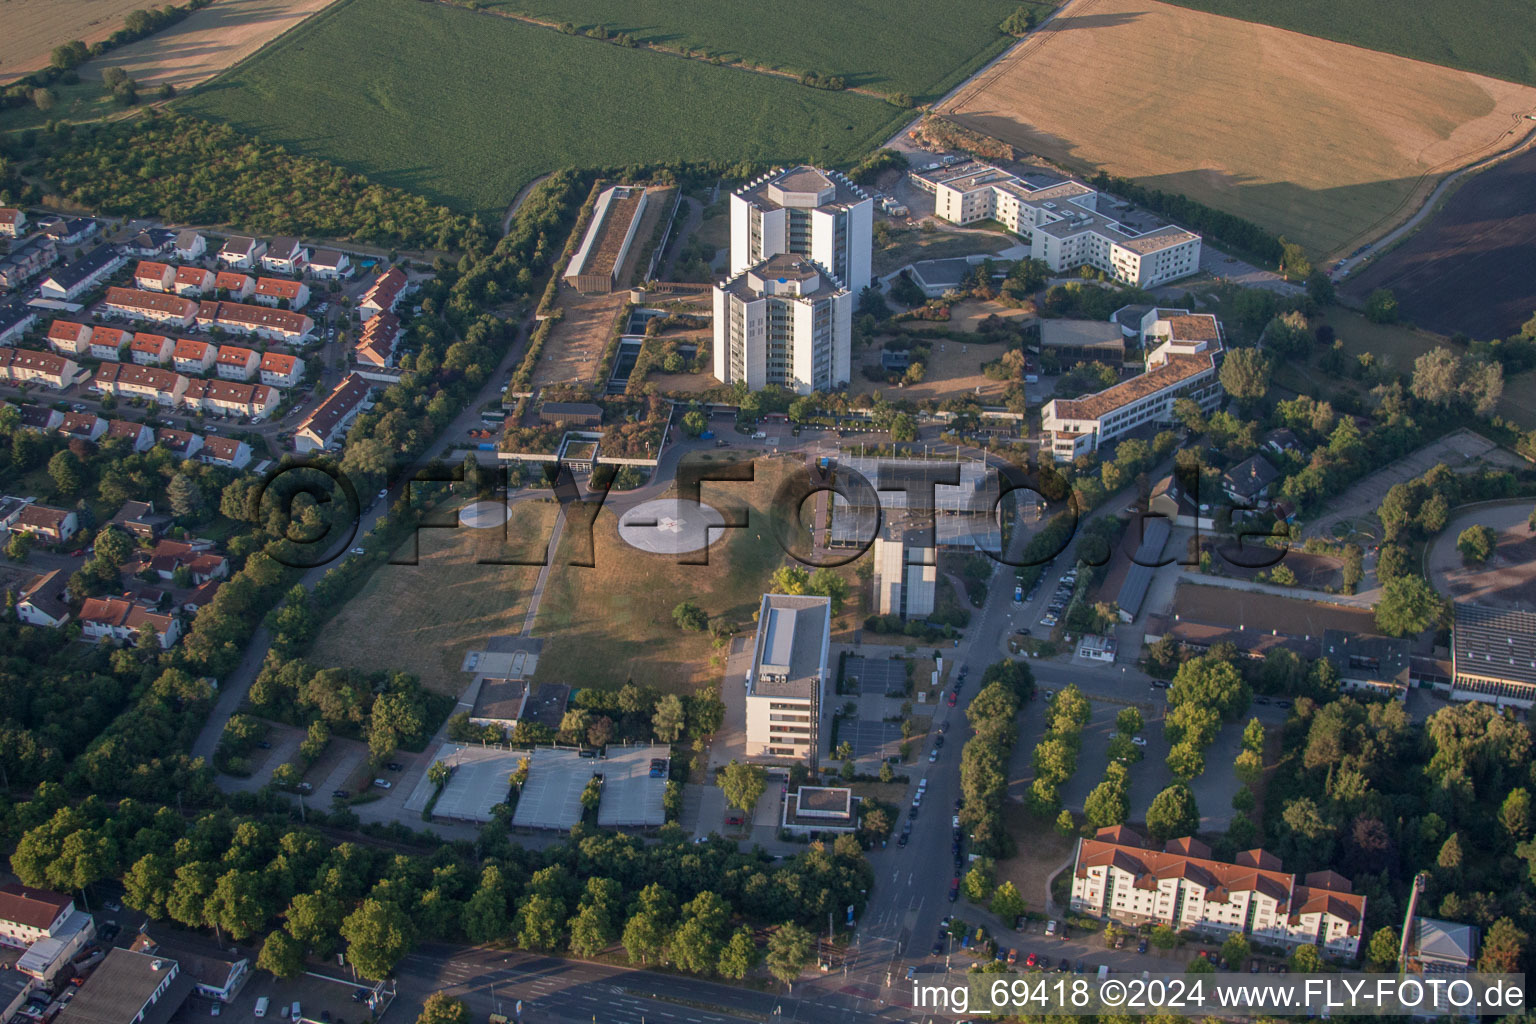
(297, 1010)
(261, 1006)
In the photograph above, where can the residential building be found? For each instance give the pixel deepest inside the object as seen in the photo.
(68, 338)
(1247, 484)
(190, 245)
(86, 426)
(786, 321)
(138, 436)
(233, 285)
(1369, 663)
(108, 343)
(499, 703)
(378, 341)
(596, 266)
(13, 222)
(229, 398)
(124, 379)
(242, 252)
(75, 279)
(11, 508)
(1120, 875)
(275, 324)
(272, 291)
(118, 619)
(384, 294)
(194, 357)
(1493, 655)
(281, 371)
(129, 988)
(150, 242)
(48, 524)
(906, 572)
(151, 349)
(1061, 222)
(813, 809)
(214, 973)
(28, 914)
(40, 419)
(1431, 946)
(329, 263)
(26, 260)
(285, 256)
(70, 230)
(19, 365)
(815, 214)
(784, 706)
(140, 305)
(330, 419)
(154, 277)
(139, 518)
(180, 443)
(193, 281)
(1078, 341)
(15, 321)
(227, 452)
(198, 558)
(236, 363)
(43, 602)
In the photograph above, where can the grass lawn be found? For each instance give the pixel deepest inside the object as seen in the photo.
(908, 245)
(1519, 402)
(1041, 851)
(467, 107)
(1394, 346)
(423, 618)
(1490, 37)
(611, 623)
(891, 46)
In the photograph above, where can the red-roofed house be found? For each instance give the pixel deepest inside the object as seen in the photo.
(86, 426)
(139, 436)
(152, 382)
(378, 341)
(48, 524)
(272, 290)
(330, 418)
(281, 371)
(384, 294)
(19, 365)
(178, 442)
(237, 287)
(116, 618)
(193, 281)
(194, 357)
(69, 338)
(226, 451)
(169, 555)
(229, 398)
(109, 342)
(277, 324)
(151, 349)
(157, 306)
(13, 222)
(154, 277)
(236, 363)
(27, 915)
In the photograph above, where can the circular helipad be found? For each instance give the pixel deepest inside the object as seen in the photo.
(669, 526)
(483, 515)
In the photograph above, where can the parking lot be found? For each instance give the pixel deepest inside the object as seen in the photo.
(872, 740)
(878, 677)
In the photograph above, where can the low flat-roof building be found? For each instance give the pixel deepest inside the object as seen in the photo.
(499, 703)
(129, 988)
(906, 572)
(787, 677)
(597, 263)
(1369, 663)
(1076, 341)
(1493, 655)
(812, 809)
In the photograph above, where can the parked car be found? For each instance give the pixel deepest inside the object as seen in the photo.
(340, 794)
(953, 698)
(1140, 741)
(383, 783)
(1050, 927)
(395, 766)
(1141, 947)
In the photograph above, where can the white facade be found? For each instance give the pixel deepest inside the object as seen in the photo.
(783, 322)
(806, 212)
(789, 672)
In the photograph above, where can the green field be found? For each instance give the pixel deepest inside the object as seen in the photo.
(1489, 37)
(891, 46)
(465, 108)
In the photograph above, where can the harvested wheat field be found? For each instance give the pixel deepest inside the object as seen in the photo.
(30, 29)
(1325, 143)
(205, 42)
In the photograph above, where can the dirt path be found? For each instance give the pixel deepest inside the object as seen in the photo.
(517, 203)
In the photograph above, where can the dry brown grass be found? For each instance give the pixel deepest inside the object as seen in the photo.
(423, 618)
(1041, 851)
(953, 369)
(204, 43)
(574, 350)
(1326, 143)
(30, 29)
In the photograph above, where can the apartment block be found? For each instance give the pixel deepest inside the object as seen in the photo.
(808, 212)
(786, 321)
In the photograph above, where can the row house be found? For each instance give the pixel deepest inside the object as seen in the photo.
(140, 305)
(40, 419)
(151, 349)
(42, 602)
(199, 559)
(26, 261)
(189, 245)
(70, 230)
(154, 277)
(119, 619)
(384, 295)
(180, 443)
(271, 291)
(281, 371)
(15, 322)
(48, 524)
(138, 437)
(236, 286)
(86, 426)
(285, 256)
(75, 279)
(108, 343)
(236, 363)
(380, 338)
(1120, 875)
(331, 264)
(242, 252)
(227, 452)
(13, 222)
(331, 417)
(123, 379)
(275, 324)
(194, 357)
(20, 365)
(229, 398)
(150, 242)
(193, 281)
(68, 338)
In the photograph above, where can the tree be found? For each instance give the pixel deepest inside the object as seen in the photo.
(1408, 606)
(281, 955)
(1305, 959)
(18, 547)
(743, 784)
(1163, 937)
(1235, 951)
(1503, 948)
(1384, 948)
(739, 956)
(378, 934)
(539, 922)
(1476, 544)
(694, 423)
(691, 617)
(697, 943)
(186, 500)
(1129, 721)
(484, 917)
(64, 469)
(236, 904)
(1245, 374)
(1065, 825)
(1006, 902)
(1173, 813)
(669, 719)
(1515, 814)
(1110, 801)
(977, 884)
(441, 1008)
(789, 950)
(1381, 307)
(1020, 23)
